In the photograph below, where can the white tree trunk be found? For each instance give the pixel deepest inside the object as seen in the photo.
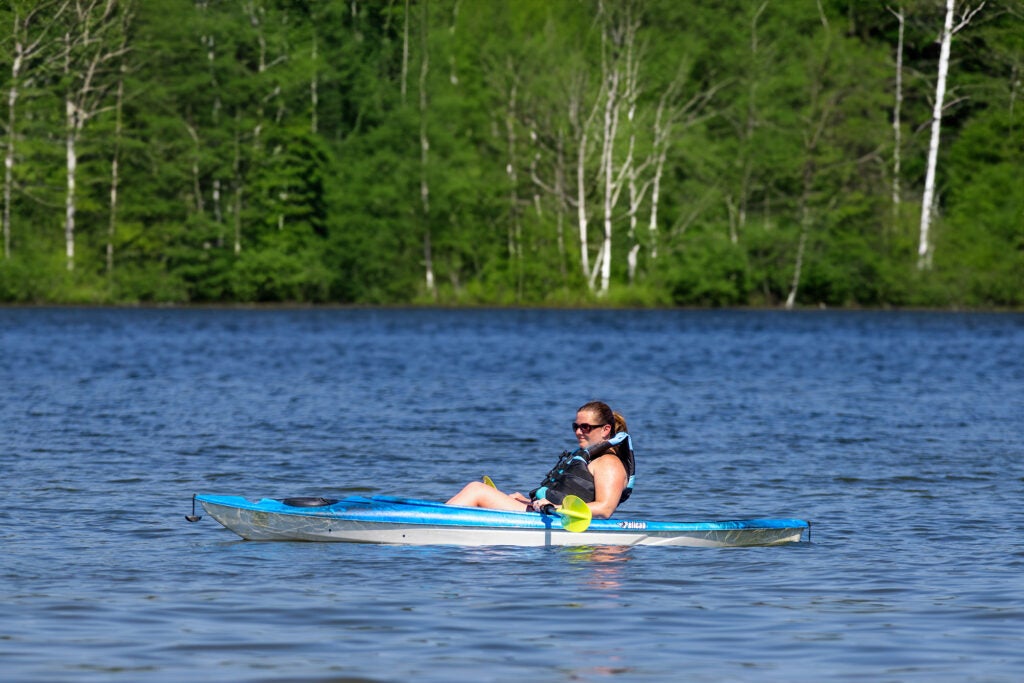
(738, 209)
(25, 50)
(795, 285)
(652, 225)
(581, 204)
(635, 197)
(238, 218)
(662, 136)
(611, 120)
(820, 114)
(668, 113)
(619, 96)
(69, 198)
(924, 247)
(12, 98)
(257, 19)
(87, 55)
(619, 73)
(928, 201)
(581, 129)
(112, 226)
(896, 113)
(210, 44)
(557, 188)
(428, 255)
(593, 274)
(560, 198)
(631, 259)
(197, 188)
(515, 251)
(114, 177)
(236, 208)
(637, 192)
(218, 212)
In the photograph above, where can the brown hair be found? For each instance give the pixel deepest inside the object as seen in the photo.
(607, 415)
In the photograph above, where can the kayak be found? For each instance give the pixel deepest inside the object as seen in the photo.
(391, 520)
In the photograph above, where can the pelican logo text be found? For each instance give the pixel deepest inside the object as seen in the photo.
(633, 525)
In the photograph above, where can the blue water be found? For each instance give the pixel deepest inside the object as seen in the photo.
(899, 435)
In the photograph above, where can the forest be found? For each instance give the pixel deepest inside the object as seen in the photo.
(763, 153)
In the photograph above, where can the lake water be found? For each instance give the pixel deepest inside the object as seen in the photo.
(900, 436)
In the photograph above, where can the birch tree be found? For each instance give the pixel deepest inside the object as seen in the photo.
(32, 42)
(640, 169)
(897, 142)
(664, 120)
(928, 201)
(618, 75)
(348, 157)
(515, 230)
(208, 41)
(581, 126)
(646, 176)
(593, 122)
(93, 46)
(428, 254)
(746, 129)
(224, 110)
(268, 90)
(822, 104)
(615, 125)
(552, 152)
(115, 159)
(556, 110)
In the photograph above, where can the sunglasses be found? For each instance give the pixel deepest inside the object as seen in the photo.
(584, 427)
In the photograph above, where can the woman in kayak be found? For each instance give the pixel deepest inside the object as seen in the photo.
(598, 472)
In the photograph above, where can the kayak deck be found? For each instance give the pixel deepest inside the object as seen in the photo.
(390, 520)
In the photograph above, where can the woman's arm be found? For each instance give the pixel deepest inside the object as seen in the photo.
(609, 481)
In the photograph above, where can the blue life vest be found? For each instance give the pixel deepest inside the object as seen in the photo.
(571, 474)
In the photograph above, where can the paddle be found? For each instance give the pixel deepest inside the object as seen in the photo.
(574, 512)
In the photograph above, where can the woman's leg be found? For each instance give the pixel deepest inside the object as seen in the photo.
(477, 494)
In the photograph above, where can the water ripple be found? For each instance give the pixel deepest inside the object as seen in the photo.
(897, 434)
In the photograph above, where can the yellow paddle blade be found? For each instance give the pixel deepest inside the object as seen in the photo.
(487, 480)
(575, 514)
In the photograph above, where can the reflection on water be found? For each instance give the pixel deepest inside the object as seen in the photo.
(603, 565)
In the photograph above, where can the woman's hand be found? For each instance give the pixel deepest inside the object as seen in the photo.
(539, 505)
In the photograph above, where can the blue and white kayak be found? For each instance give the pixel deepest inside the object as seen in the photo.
(385, 519)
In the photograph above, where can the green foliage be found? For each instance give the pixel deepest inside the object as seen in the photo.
(274, 151)
(708, 271)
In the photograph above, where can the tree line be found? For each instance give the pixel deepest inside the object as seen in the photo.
(549, 152)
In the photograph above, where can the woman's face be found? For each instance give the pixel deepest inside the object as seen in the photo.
(589, 430)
